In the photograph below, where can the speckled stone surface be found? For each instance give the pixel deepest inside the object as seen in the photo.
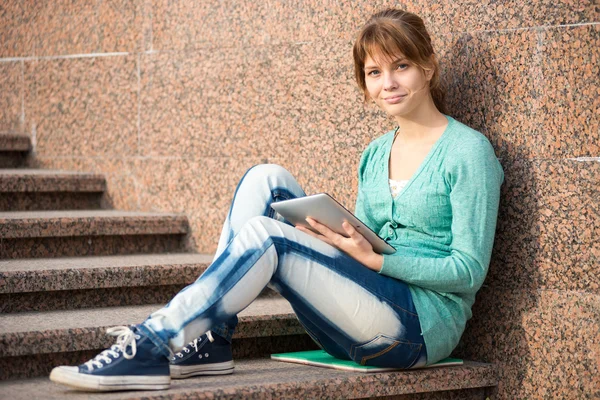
(503, 84)
(64, 27)
(262, 379)
(87, 298)
(74, 283)
(548, 235)
(14, 142)
(463, 394)
(11, 97)
(35, 275)
(12, 159)
(545, 342)
(121, 25)
(121, 184)
(83, 106)
(51, 247)
(264, 346)
(34, 365)
(227, 85)
(76, 330)
(45, 201)
(570, 97)
(86, 223)
(538, 91)
(37, 180)
(176, 26)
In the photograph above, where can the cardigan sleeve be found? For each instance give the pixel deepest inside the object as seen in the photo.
(474, 176)
(361, 210)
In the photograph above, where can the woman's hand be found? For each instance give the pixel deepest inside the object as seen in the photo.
(355, 246)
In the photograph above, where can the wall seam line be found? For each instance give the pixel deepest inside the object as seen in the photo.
(22, 96)
(535, 27)
(62, 57)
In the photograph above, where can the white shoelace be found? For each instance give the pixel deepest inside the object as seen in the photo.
(125, 337)
(194, 344)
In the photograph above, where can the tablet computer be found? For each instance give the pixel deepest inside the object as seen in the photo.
(325, 209)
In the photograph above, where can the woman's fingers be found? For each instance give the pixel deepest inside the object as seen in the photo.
(315, 235)
(322, 228)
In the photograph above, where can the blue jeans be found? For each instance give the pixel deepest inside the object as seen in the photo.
(351, 311)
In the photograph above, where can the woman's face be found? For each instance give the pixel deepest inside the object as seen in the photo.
(398, 87)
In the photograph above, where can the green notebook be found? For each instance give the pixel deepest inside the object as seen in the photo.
(320, 358)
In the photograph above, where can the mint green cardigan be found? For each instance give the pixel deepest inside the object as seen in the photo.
(442, 225)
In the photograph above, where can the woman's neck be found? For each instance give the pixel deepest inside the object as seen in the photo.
(421, 123)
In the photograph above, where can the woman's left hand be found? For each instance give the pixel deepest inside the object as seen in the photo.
(355, 246)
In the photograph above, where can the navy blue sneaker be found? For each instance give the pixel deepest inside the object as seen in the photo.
(207, 355)
(133, 363)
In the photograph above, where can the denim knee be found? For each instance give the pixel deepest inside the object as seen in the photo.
(267, 170)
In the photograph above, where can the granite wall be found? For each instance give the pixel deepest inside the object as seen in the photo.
(175, 100)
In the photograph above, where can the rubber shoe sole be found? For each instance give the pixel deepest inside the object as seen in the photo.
(70, 376)
(182, 372)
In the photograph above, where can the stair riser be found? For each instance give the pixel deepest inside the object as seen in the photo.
(89, 298)
(50, 201)
(53, 247)
(12, 159)
(462, 394)
(41, 364)
(93, 298)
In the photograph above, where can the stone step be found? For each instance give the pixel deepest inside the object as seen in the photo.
(31, 343)
(46, 284)
(35, 189)
(267, 379)
(35, 234)
(13, 149)
(14, 142)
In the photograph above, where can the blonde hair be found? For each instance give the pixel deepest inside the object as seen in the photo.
(392, 32)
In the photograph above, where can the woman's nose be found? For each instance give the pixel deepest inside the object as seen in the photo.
(389, 82)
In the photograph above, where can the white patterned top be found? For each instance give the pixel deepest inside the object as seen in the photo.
(397, 186)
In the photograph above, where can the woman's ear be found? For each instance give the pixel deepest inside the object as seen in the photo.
(431, 67)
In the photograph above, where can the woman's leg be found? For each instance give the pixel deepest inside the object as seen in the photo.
(369, 317)
(260, 186)
(350, 310)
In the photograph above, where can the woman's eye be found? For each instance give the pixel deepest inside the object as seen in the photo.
(402, 66)
(373, 72)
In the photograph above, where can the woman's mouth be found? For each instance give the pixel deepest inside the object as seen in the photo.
(394, 99)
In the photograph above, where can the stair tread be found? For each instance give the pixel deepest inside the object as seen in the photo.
(265, 378)
(131, 260)
(24, 224)
(40, 180)
(73, 330)
(111, 316)
(71, 273)
(45, 172)
(14, 142)
(25, 215)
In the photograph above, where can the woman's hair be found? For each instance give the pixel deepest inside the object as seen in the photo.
(391, 32)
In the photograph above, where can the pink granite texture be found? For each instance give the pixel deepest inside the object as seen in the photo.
(84, 282)
(81, 246)
(38, 365)
(30, 189)
(545, 342)
(266, 379)
(11, 97)
(14, 142)
(77, 330)
(87, 298)
(201, 93)
(83, 106)
(26, 180)
(72, 27)
(36, 275)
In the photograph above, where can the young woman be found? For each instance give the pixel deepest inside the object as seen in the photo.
(430, 187)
